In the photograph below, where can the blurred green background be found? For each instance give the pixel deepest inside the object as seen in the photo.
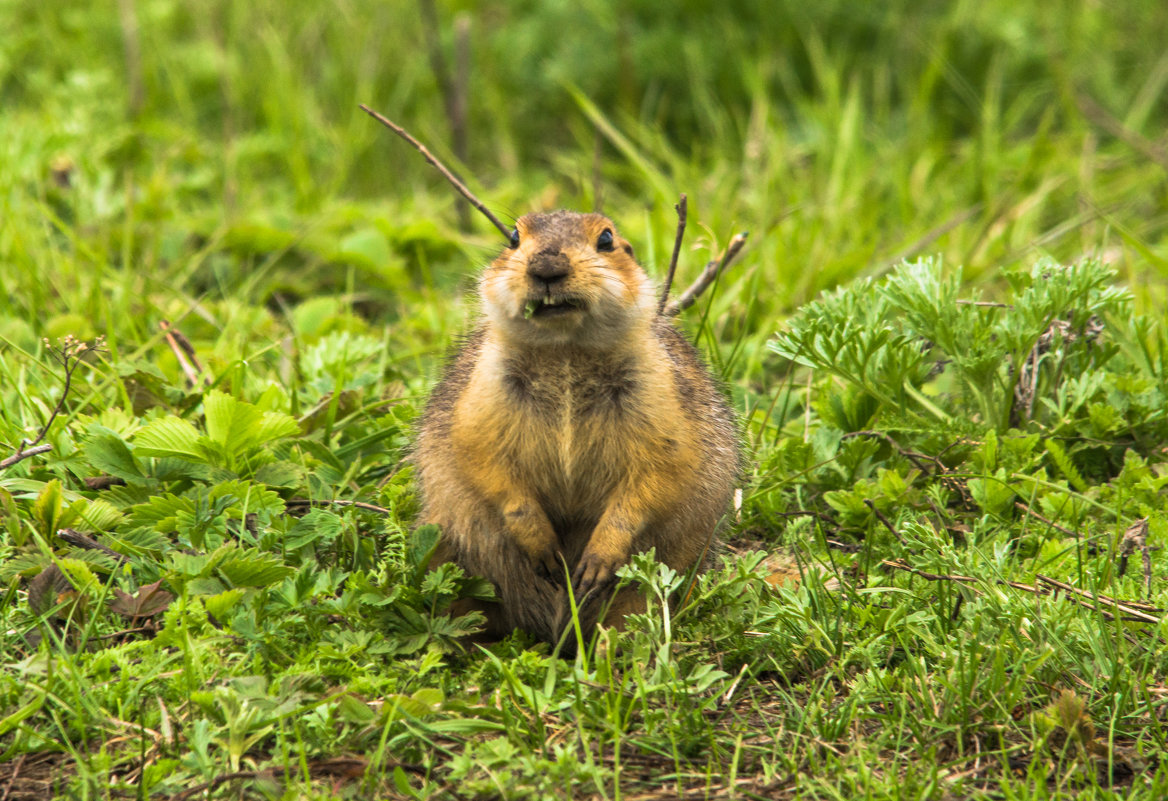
(160, 155)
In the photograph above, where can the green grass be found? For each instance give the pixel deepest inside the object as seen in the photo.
(248, 628)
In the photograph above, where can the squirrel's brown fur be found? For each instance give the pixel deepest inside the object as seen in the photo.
(575, 422)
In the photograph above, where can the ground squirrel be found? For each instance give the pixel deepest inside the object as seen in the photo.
(575, 423)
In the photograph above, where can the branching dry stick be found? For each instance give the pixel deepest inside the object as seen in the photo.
(337, 502)
(70, 357)
(681, 214)
(79, 540)
(1047, 521)
(912, 456)
(23, 453)
(708, 276)
(453, 87)
(1130, 610)
(884, 520)
(438, 165)
(182, 348)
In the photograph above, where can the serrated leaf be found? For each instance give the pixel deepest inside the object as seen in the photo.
(100, 561)
(355, 710)
(148, 601)
(317, 524)
(1063, 460)
(161, 512)
(421, 547)
(250, 568)
(221, 604)
(249, 495)
(95, 515)
(48, 507)
(280, 474)
(422, 703)
(108, 453)
(24, 564)
(187, 565)
(276, 425)
(170, 437)
(80, 574)
(44, 590)
(229, 421)
(141, 541)
(205, 586)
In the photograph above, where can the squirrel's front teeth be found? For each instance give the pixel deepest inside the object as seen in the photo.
(533, 307)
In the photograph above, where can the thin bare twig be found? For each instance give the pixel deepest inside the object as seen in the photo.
(681, 214)
(900, 564)
(23, 453)
(708, 276)
(12, 778)
(327, 502)
(880, 516)
(190, 792)
(182, 348)
(103, 482)
(69, 356)
(1131, 610)
(438, 165)
(79, 540)
(912, 456)
(1026, 508)
(734, 686)
(985, 304)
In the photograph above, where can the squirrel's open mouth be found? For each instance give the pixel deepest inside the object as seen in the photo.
(550, 306)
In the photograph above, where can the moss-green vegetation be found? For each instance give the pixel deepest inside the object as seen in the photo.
(935, 586)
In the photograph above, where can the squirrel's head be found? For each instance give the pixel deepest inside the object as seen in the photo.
(566, 278)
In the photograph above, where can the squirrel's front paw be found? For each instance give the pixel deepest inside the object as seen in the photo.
(533, 534)
(593, 572)
(546, 562)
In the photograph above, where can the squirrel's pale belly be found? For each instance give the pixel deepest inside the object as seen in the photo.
(559, 438)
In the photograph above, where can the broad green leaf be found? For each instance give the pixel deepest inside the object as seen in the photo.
(221, 604)
(250, 567)
(275, 425)
(170, 436)
(108, 453)
(421, 547)
(48, 509)
(95, 515)
(317, 524)
(230, 422)
(80, 574)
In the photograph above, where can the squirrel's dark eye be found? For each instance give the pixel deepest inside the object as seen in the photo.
(514, 241)
(604, 241)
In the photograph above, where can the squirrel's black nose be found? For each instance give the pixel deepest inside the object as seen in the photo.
(549, 266)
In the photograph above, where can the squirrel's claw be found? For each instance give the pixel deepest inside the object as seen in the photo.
(592, 573)
(547, 566)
